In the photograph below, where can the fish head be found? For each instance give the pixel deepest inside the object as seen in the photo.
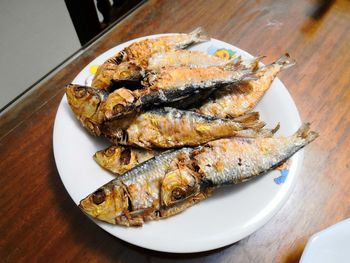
(118, 102)
(114, 156)
(106, 203)
(84, 102)
(177, 186)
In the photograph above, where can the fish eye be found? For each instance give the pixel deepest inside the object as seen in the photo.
(99, 196)
(80, 92)
(118, 108)
(124, 74)
(178, 194)
(125, 156)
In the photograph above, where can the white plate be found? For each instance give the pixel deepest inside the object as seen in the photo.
(329, 245)
(230, 215)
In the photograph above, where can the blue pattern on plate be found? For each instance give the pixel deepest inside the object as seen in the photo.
(283, 177)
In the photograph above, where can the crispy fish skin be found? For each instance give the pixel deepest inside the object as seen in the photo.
(165, 128)
(120, 159)
(127, 65)
(171, 85)
(184, 58)
(85, 103)
(236, 100)
(169, 183)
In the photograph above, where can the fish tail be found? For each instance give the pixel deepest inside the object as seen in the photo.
(305, 133)
(199, 35)
(250, 121)
(285, 61)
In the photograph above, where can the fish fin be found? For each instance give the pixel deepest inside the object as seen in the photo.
(248, 75)
(149, 79)
(248, 117)
(253, 64)
(274, 130)
(256, 125)
(118, 58)
(268, 133)
(199, 35)
(250, 121)
(305, 133)
(234, 64)
(285, 61)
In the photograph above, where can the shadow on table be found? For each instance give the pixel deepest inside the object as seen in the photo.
(91, 239)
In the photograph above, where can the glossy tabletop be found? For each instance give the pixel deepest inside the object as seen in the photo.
(40, 222)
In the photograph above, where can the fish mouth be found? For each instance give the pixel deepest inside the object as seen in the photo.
(86, 206)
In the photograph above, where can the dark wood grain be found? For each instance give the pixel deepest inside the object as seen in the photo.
(39, 221)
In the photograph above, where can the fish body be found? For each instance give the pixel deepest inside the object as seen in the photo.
(236, 100)
(127, 65)
(169, 183)
(184, 58)
(165, 128)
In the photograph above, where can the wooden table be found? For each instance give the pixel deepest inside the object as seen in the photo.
(39, 221)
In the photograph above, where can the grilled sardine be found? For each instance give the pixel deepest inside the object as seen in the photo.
(165, 128)
(236, 100)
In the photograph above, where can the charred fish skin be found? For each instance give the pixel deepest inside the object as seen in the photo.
(236, 100)
(169, 183)
(85, 103)
(165, 128)
(120, 159)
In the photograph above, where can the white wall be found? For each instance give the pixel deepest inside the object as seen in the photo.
(35, 36)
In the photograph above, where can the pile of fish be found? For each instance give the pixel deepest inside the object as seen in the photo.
(181, 125)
